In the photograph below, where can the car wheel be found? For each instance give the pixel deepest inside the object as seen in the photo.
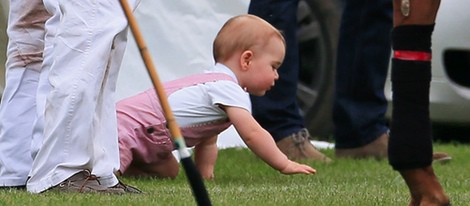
(318, 33)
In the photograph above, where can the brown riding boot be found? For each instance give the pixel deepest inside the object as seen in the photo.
(424, 187)
(298, 146)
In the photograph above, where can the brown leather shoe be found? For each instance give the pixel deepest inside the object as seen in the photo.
(127, 188)
(376, 149)
(441, 157)
(84, 182)
(297, 147)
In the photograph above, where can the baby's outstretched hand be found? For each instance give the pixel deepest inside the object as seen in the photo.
(296, 168)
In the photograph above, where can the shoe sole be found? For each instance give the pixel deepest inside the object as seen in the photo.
(442, 160)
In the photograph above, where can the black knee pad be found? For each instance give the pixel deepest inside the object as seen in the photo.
(410, 142)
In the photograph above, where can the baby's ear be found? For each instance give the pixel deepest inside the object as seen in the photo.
(246, 58)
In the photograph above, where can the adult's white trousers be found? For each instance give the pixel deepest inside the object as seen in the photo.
(18, 107)
(80, 130)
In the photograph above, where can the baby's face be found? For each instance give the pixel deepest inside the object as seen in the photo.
(265, 63)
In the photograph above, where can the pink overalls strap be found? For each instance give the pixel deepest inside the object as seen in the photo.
(175, 85)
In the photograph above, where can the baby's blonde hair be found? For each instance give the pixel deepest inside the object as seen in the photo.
(242, 33)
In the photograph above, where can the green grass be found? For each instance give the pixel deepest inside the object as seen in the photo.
(243, 179)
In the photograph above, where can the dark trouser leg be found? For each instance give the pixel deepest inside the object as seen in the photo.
(362, 65)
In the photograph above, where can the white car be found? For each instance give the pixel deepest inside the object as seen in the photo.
(318, 32)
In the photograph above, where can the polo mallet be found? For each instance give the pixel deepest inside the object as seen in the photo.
(193, 175)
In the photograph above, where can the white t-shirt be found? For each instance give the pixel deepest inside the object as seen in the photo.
(205, 98)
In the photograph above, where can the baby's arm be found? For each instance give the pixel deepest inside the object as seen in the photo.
(205, 155)
(262, 143)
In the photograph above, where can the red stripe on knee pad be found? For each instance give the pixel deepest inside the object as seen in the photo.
(412, 55)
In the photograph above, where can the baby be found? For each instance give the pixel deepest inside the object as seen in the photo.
(247, 51)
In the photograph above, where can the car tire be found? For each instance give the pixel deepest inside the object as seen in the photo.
(318, 34)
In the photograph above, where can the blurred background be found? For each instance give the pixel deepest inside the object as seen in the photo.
(179, 37)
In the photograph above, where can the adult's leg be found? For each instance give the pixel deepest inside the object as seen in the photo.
(278, 111)
(43, 87)
(361, 69)
(106, 145)
(410, 148)
(18, 109)
(76, 78)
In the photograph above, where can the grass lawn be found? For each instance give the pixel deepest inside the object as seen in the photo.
(243, 179)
